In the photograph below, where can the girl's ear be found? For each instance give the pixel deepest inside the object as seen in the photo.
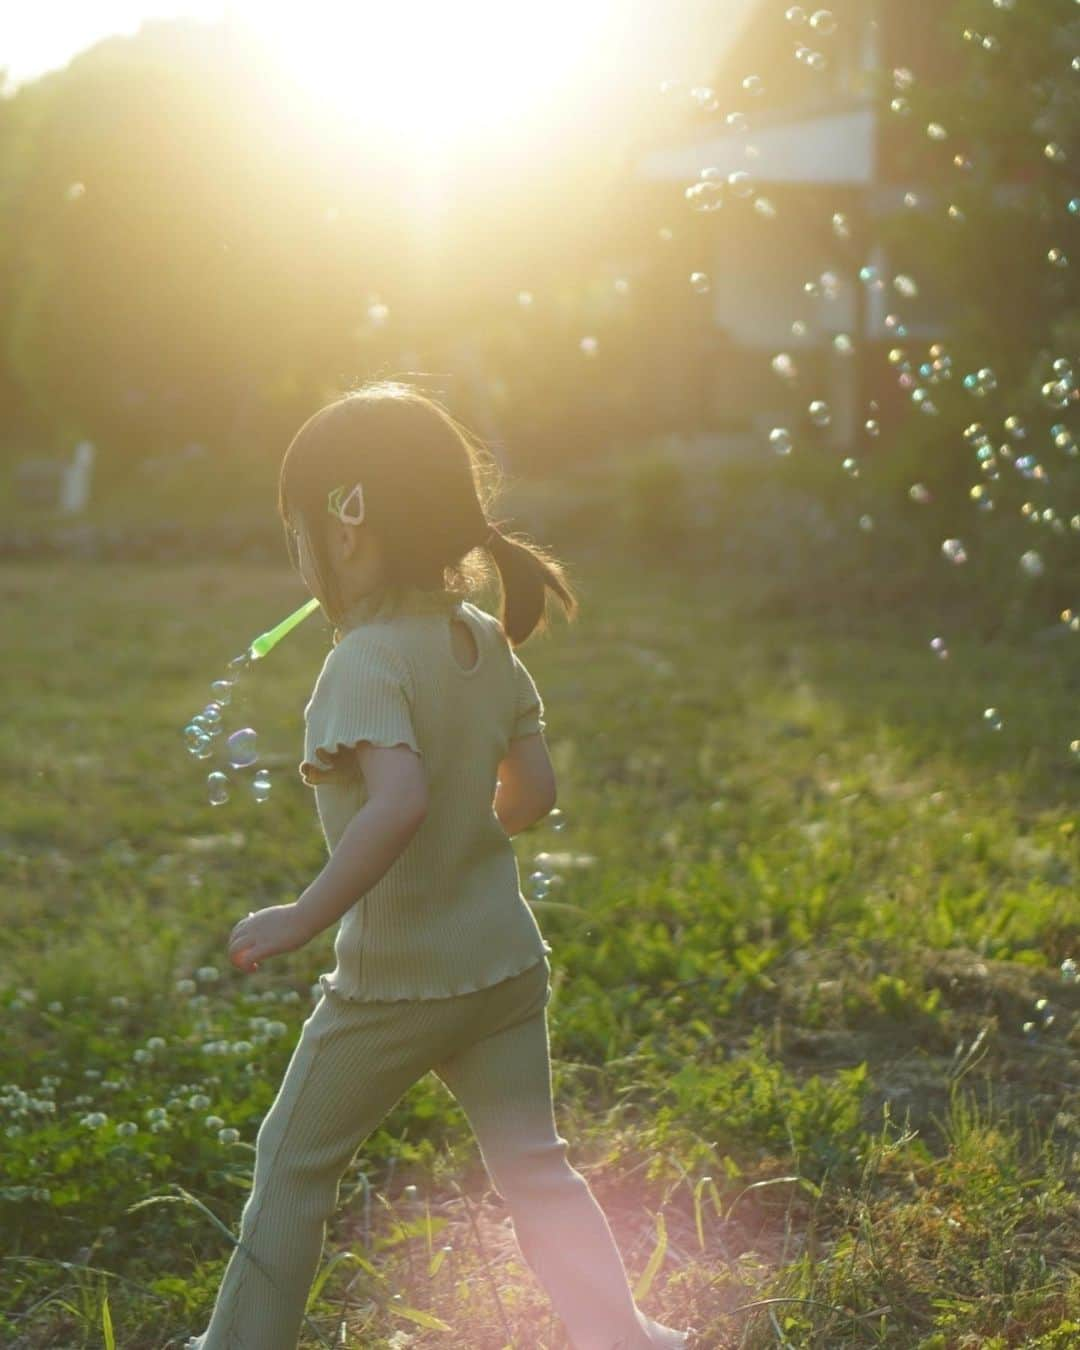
(350, 539)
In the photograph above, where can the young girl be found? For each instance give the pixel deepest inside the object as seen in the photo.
(424, 746)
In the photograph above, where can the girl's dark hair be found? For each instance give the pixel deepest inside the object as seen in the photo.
(427, 486)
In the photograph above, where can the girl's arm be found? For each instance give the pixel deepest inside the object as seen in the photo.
(525, 792)
(375, 837)
(372, 840)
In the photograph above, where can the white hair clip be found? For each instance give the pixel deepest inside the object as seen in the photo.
(342, 509)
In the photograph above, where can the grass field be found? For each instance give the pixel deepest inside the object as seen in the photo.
(806, 907)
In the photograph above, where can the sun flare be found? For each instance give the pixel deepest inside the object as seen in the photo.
(427, 71)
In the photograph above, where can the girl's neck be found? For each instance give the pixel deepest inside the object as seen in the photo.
(397, 598)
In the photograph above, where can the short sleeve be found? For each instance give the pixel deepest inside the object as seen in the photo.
(362, 694)
(528, 706)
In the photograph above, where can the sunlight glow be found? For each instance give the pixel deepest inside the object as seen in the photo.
(428, 71)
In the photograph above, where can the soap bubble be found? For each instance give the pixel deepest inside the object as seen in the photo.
(918, 492)
(211, 715)
(753, 85)
(260, 785)
(195, 738)
(218, 788)
(525, 299)
(820, 414)
(1032, 564)
(850, 466)
(993, 719)
(1058, 258)
(784, 366)
(700, 282)
(873, 428)
(840, 225)
(823, 22)
(1055, 153)
(708, 195)
(866, 523)
(589, 346)
(764, 207)
(780, 440)
(1015, 428)
(241, 748)
(737, 121)
(740, 183)
(954, 551)
(796, 14)
(222, 692)
(938, 645)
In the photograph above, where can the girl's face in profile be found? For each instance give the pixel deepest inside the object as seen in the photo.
(344, 548)
(305, 562)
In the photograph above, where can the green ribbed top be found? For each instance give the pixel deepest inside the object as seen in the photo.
(448, 915)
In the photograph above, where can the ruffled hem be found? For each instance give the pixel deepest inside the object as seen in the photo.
(332, 750)
(423, 996)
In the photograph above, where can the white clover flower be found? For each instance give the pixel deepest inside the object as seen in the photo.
(199, 1000)
(241, 1047)
(257, 1023)
(94, 1120)
(207, 974)
(118, 1001)
(228, 1135)
(276, 1028)
(185, 986)
(199, 1102)
(28, 995)
(159, 1126)
(156, 1113)
(156, 1043)
(127, 1127)
(290, 996)
(91, 1073)
(16, 1005)
(56, 1006)
(141, 1056)
(82, 1100)
(213, 1122)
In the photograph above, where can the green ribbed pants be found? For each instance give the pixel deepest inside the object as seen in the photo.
(354, 1060)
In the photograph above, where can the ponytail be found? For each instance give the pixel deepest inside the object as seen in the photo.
(526, 572)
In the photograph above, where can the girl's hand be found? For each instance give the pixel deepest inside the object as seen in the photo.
(266, 932)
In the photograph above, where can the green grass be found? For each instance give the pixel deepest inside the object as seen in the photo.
(815, 901)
